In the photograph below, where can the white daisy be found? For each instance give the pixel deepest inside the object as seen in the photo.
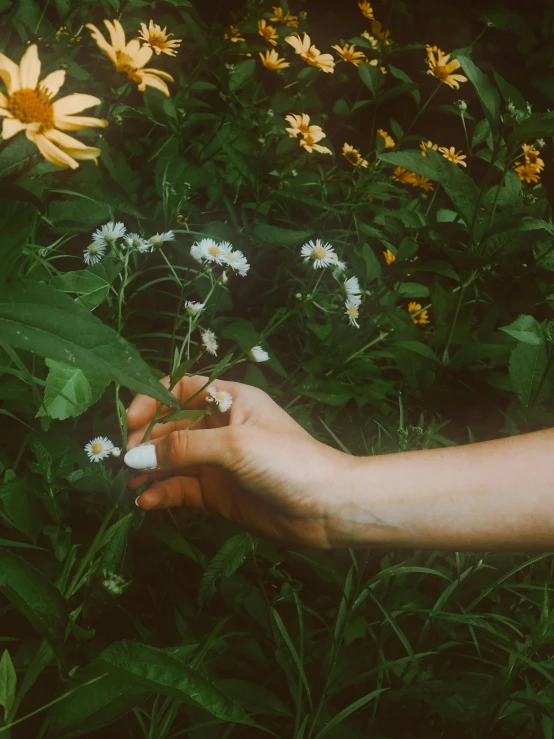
(99, 448)
(352, 311)
(109, 233)
(222, 399)
(353, 290)
(137, 243)
(94, 252)
(116, 451)
(323, 254)
(208, 250)
(159, 239)
(336, 262)
(210, 342)
(224, 278)
(193, 309)
(237, 261)
(257, 354)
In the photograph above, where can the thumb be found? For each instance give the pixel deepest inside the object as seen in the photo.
(218, 446)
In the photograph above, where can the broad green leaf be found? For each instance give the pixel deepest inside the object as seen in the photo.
(95, 705)
(371, 76)
(229, 558)
(34, 596)
(90, 285)
(536, 126)
(155, 669)
(510, 93)
(528, 363)
(8, 682)
(403, 77)
(412, 290)
(526, 329)
(69, 392)
(44, 321)
(241, 74)
(372, 264)
(480, 133)
(419, 348)
(486, 91)
(279, 236)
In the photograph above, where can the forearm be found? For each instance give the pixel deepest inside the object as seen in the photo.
(494, 495)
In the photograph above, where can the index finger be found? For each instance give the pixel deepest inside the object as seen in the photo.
(143, 408)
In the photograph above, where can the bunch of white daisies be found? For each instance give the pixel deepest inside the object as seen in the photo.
(109, 235)
(209, 251)
(322, 254)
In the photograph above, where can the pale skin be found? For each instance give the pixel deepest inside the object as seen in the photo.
(255, 466)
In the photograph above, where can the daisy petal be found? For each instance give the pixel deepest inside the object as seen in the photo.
(29, 68)
(51, 152)
(10, 127)
(77, 122)
(9, 74)
(53, 81)
(150, 80)
(74, 103)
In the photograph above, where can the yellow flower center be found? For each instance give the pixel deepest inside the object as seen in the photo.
(219, 396)
(353, 311)
(215, 251)
(352, 156)
(125, 63)
(32, 106)
(98, 447)
(318, 252)
(158, 40)
(441, 72)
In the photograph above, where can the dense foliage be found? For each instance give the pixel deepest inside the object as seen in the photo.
(376, 218)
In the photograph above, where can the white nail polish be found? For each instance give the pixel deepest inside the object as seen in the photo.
(136, 501)
(142, 457)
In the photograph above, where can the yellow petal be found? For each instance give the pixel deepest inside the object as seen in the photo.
(75, 148)
(74, 103)
(117, 34)
(77, 122)
(158, 73)
(10, 127)
(9, 74)
(3, 100)
(101, 42)
(53, 81)
(150, 80)
(29, 68)
(50, 151)
(142, 56)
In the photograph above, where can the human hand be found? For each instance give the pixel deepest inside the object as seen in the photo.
(253, 464)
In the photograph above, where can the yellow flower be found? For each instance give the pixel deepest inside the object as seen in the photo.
(300, 124)
(421, 317)
(367, 10)
(372, 40)
(454, 156)
(130, 57)
(389, 141)
(423, 182)
(348, 54)
(233, 34)
(377, 30)
(442, 69)
(310, 54)
(389, 256)
(267, 32)
(427, 145)
(527, 172)
(309, 142)
(403, 175)
(353, 156)
(158, 39)
(375, 63)
(532, 157)
(28, 106)
(272, 60)
(280, 17)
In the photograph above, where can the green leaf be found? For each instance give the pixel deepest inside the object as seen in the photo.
(241, 74)
(155, 669)
(371, 76)
(480, 133)
(356, 705)
(33, 596)
(229, 558)
(181, 416)
(69, 392)
(17, 222)
(403, 77)
(8, 682)
(413, 290)
(536, 126)
(510, 93)
(419, 348)
(526, 329)
(279, 236)
(527, 366)
(372, 264)
(487, 92)
(39, 319)
(90, 287)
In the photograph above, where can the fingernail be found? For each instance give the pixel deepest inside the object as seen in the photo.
(142, 457)
(137, 500)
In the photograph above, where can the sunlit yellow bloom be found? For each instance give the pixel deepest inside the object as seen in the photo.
(300, 124)
(367, 10)
(310, 54)
(349, 54)
(527, 172)
(353, 156)
(233, 34)
(422, 316)
(267, 32)
(308, 142)
(403, 175)
(272, 60)
(130, 57)
(427, 145)
(281, 17)
(158, 39)
(389, 141)
(423, 182)
(532, 157)
(442, 69)
(382, 34)
(389, 256)
(28, 106)
(454, 156)
(375, 63)
(372, 40)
